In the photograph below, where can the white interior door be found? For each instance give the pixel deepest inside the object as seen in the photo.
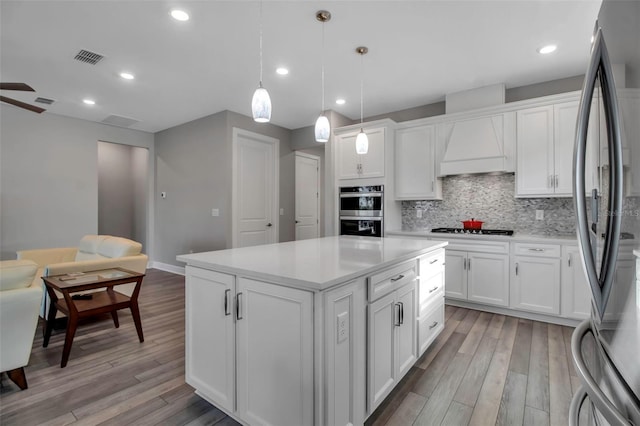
(307, 196)
(255, 189)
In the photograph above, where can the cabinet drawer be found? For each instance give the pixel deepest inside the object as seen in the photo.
(533, 249)
(429, 289)
(431, 264)
(467, 244)
(390, 279)
(429, 326)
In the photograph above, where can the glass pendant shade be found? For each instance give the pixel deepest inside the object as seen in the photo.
(323, 129)
(362, 143)
(261, 105)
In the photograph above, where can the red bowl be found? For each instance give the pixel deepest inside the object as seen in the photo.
(472, 224)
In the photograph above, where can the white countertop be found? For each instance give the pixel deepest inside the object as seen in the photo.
(516, 237)
(315, 264)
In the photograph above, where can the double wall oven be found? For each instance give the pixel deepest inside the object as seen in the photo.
(361, 210)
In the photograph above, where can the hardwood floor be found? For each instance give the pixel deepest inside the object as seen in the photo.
(483, 369)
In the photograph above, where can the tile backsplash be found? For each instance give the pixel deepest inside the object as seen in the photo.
(491, 199)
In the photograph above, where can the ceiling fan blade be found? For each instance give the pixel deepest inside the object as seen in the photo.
(16, 86)
(22, 104)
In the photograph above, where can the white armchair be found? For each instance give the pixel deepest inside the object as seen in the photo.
(20, 298)
(94, 252)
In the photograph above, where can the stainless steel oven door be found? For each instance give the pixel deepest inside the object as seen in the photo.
(365, 204)
(362, 226)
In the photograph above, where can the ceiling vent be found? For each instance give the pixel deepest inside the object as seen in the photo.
(120, 121)
(44, 101)
(88, 57)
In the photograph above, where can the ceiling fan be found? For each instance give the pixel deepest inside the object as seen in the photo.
(23, 88)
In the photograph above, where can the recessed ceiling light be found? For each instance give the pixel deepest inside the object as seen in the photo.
(89, 101)
(282, 71)
(127, 75)
(547, 49)
(340, 101)
(179, 15)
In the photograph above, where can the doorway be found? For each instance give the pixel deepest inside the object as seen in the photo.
(307, 194)
(255, 189)
(122, 191)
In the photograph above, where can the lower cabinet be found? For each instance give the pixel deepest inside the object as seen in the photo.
(478, 273)
(535, 279)
(431, 279)
(253, 340)
(575, 294)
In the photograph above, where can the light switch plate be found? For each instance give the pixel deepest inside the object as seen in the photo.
(215, 212)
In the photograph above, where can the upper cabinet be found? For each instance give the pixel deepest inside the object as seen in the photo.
(415, 164)
(352, 165)
(545, 140)
(477, 144)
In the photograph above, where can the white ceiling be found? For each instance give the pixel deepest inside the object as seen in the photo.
(418, 52)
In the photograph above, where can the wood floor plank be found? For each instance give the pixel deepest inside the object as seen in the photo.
(437, 406)
(474, 336)
(426, 359)
(469, 389)
(535, 417)
(538, 383)
(467, 323)
(567, 332)
(408, 411)
(522, 348)
(457, 415)
(560, 393)
(495, 326)
(432, 375)
(512, 404)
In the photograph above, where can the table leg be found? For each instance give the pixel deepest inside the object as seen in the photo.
(72, 326)
(114, 315)
(51, 319)
(135, 312)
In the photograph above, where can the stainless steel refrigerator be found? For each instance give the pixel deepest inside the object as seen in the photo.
(606, 347)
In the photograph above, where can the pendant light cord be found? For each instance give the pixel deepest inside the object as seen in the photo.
(322, 60)
(260, 43)
(361, 87)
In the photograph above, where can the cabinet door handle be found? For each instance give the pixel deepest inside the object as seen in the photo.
(238, 309)
(550, 181)
(468, 264)
(569, 261)
(431, 186)
(536, 249)
(556, 181)
(397, 312)
(401, 313)
(516, 269)
(433, 289)
(227, 292)
(433, 261)
(432, 326)
(464, 263)
(399, 277)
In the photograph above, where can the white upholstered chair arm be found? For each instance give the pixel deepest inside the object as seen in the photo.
(45, 257)
(137, 263)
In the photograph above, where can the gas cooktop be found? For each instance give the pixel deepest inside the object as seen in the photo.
(473, 231)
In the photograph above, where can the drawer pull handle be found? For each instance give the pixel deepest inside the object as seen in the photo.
(433, 289)
(433, 261)
(399, 277)
(432, 326)
(536, 249)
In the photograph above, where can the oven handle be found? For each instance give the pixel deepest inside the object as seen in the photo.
(360, 194)
(377, 218)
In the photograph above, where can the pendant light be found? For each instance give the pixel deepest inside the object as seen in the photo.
(362, 141)
(323, 127)
(261, 102)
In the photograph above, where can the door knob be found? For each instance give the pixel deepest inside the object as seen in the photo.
(269, 225)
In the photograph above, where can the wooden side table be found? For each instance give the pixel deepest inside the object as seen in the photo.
(100, 302)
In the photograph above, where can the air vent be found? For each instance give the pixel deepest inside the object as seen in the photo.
(120, 121)
(88, 57)
(45, 101)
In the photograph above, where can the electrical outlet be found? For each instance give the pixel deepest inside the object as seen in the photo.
(418, 213)
(343, 326)
(539, 214)
(163, 194)
(215, 212)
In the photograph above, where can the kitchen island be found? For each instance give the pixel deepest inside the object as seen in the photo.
(310, 332)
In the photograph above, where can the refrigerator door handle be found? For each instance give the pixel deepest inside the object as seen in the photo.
(600, 284)
(589, 385)
(576, 404)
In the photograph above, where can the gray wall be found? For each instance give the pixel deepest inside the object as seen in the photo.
(193, 166)
(49, 178)
(122, 184)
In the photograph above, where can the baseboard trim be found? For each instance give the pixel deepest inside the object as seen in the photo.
(168, 267)
(514, 313)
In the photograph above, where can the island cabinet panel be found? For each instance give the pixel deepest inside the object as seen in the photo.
(210, 335)
(275, 354)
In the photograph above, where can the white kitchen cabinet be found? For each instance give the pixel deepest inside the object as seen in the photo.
(575, 294)
(252, 341)
(352, 165)
(535, 278)
(545, 140)
(392, 329)
(415, 164)
(431, 282)
(477, 275)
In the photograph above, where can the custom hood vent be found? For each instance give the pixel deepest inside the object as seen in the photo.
(477, 142)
